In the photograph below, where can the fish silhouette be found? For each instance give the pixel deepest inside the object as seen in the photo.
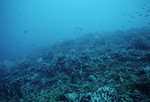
(146, 15)
(25, 31)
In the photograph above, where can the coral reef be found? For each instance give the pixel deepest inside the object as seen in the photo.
(106, 67)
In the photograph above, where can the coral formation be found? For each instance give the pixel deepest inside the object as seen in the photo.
(107, 67)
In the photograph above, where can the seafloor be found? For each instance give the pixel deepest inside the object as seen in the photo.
(106, 67)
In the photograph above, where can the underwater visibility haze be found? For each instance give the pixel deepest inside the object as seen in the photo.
(25, 23)
(74, 50)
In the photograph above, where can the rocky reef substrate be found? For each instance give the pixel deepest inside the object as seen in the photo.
(106, 67)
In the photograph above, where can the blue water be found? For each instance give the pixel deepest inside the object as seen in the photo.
(26, 25)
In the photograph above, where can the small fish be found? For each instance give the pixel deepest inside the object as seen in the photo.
(149, 23)
(146, 15)
(45, 32)
(140, 15)
(137, 12)
(33, 44)
(25, 31)
(80, 29)
(122, 26)
(19, 15)
(147, 10)
(132, 17)
(77, 28)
